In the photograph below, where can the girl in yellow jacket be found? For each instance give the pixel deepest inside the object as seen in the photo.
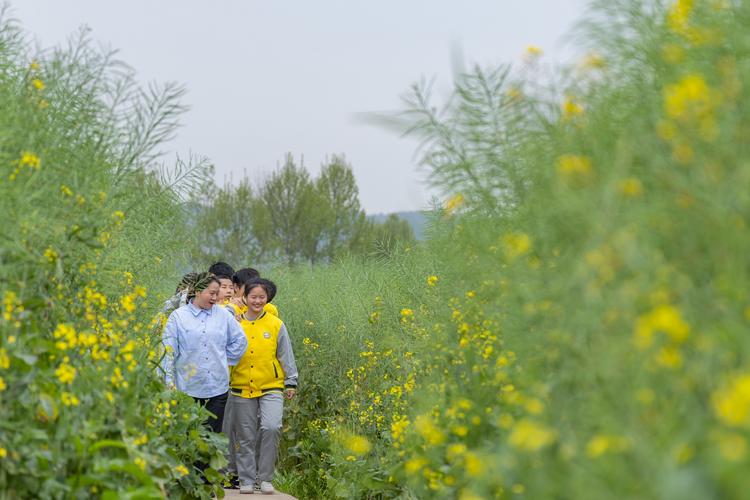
(258, 383)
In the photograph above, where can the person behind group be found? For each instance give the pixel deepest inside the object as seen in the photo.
(237, 302)
(201, 338)
(258, 384)
(224, 273)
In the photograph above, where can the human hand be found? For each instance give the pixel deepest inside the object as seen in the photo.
(290, 392)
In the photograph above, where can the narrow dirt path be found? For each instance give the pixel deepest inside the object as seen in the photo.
(276, 496)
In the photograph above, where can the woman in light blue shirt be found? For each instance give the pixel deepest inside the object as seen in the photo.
(201, 338)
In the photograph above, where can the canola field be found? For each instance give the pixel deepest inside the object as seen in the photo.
(574, 326)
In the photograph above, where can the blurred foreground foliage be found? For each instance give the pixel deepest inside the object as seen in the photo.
(576, 325)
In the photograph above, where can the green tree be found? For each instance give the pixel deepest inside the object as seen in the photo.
(341, 211)
(224, 222)
(288, 218)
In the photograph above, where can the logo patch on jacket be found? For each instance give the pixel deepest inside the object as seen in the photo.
(266, 335)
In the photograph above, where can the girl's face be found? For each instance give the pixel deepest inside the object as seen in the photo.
(256, 299)
(226, 288)
(208, 297)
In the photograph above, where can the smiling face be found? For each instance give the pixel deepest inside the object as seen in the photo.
(208, 297)
(256, 298)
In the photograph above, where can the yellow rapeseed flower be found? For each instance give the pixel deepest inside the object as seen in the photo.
(65, 335)
(460, 430)
(455, 451)
(678, 15)
(534, 406)
(374, 317)
(3, 452)
(414, 465)
(398, 428)
(571, 109)
(3, 386)
(690, 98)
(505, 421)
(469, 495)
(605, 443)
(4, 359)
(678, 21)
(181, 470)
(664, 318)
(533, 52)
(530, 436)
(428, 430)
(514, 94)
(432, 280)
(453, 203)
(407, 315)
(631, 187)
(516, 244)
(593, 60)
(669, 357)
(359, 445)
(69, 399)
(50, 255)
(29, 159)
(731, 403)
(38, 84)
(473, 465)
(128, 303)
(65, 373)
(571, 166)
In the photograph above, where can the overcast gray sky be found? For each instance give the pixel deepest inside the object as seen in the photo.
(269, 77)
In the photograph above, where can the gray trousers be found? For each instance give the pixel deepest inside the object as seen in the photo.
(253, 448)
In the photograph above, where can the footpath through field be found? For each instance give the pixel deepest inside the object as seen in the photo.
(276, 496)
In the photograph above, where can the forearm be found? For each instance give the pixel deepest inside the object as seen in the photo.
(285, 355)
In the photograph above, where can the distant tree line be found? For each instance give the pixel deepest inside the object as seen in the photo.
(292, 217)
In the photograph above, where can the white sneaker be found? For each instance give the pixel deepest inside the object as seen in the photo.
(267, 488)
(247, 489)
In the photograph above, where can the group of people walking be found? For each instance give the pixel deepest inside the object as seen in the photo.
(228, 349)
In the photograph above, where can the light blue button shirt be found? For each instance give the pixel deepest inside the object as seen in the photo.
(200, 344)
